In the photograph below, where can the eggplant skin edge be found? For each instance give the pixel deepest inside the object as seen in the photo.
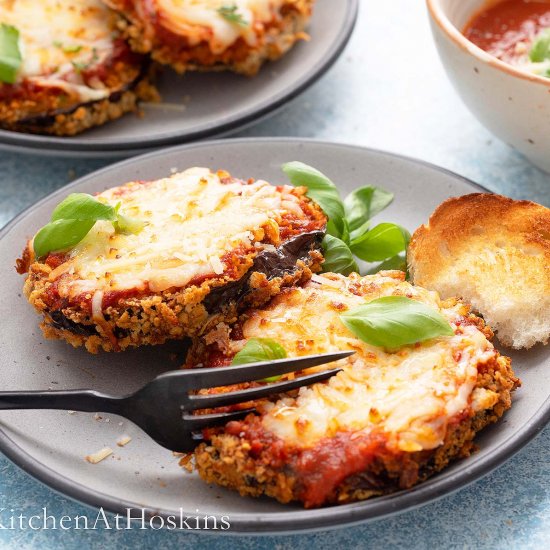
(79, 117)
(146, 35)
(155, 319)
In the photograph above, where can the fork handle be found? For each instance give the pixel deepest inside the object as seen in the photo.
(72, 400)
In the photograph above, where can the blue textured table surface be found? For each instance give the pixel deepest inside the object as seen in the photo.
(387, 91)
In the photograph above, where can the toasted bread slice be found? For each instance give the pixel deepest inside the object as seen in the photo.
(494, 252)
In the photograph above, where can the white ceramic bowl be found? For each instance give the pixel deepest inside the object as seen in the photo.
(511, 103)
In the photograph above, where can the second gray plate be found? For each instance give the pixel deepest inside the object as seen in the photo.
(199, 105)
(51, 445)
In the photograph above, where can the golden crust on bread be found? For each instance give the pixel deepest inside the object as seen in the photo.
(494, 252)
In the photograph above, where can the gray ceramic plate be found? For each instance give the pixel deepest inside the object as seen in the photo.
(199, 105)
(51, 445)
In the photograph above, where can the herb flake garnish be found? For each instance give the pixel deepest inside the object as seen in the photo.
(67, 48)
(230, 13)
(349, 232)
(392, 322)
(540, 53)
(74, 217)
(10, 54)
(85, 65)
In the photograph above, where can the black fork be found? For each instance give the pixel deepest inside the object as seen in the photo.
(163, 407)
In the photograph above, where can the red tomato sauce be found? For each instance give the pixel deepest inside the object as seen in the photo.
(507, 29)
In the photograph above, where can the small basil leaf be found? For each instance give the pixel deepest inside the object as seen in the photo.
(10, 54)
(60, 235)
(81, 206)
(260, 349)
(338, 256)
(540, 51)
(382, 242)
(395, 321)
(364, 203)
(127, 225)
(398, 262)
(320, 189)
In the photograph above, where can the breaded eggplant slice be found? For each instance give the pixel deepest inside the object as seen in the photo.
(213, 34)
(211, 244)
(76, 70)
(386, 422)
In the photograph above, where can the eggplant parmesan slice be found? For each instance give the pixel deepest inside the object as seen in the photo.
(213, 34)
(211, 244)
(386, 422)
(76, 71)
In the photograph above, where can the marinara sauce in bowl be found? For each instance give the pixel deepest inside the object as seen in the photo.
(497, 54)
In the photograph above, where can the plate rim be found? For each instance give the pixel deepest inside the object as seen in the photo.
(314, 520)
(31, 143)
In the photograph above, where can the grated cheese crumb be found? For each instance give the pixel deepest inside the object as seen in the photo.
(95, 458)
(124, 440)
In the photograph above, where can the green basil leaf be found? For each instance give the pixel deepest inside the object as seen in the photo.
(338, 256)
(381, 242)
(398, 262)
(10, 54)
(341, 232)
(81, 206)
(73, 218)
(364, 203)
(60, 235)
(540, 51)
(345, 236)
(395, 321)
(360, 231)
(260, 349)
(321, 190)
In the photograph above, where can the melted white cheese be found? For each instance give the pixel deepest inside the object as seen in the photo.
(410, 395)
(180, 16)
(193, 220)
(58, 37)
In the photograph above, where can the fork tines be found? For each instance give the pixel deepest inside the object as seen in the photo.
(214, 377)
(241, 396)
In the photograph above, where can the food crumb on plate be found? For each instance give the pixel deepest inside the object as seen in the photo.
(124, 440)
(186, 462)
(95, 458)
